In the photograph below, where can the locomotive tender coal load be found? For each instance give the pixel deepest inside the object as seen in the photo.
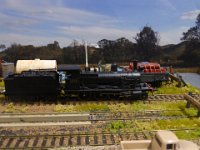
(41, 79)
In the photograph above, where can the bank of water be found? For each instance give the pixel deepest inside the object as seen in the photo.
(192, 78)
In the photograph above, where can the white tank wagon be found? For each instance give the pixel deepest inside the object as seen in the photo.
(163, 140)
(37, 64)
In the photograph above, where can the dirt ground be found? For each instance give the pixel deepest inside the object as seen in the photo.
(26, 108)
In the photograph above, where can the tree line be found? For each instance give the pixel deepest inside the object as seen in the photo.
(109, 51)
(145, 48)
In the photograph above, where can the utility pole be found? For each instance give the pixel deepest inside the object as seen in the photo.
(86, 55)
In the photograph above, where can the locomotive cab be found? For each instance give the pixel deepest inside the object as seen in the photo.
(72, 76)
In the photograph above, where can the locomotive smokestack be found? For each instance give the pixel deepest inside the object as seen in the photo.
(135, 62)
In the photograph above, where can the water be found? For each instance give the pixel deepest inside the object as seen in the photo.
(192, 78)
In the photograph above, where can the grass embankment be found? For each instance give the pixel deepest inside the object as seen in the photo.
(11, 108)
(2, 86)
(178, 107)
(173, 89)
(187, 70)
(136, 126)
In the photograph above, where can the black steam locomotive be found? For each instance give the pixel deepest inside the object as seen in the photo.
(104, 84)
(76, 83)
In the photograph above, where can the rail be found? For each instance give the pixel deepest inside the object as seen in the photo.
(49, 118)
(156, 97)
(73, 139)
(177, 79)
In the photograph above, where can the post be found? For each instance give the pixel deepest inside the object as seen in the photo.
(135, 62)
(86, 55)
(188, 104)
(191, 100)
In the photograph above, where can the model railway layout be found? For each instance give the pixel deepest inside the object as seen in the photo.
(72, 85)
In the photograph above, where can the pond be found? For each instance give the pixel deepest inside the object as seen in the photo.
(192, 78)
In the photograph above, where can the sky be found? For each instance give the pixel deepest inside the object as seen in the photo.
(39, 22)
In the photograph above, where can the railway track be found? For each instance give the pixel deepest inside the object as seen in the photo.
(68, 140)
(166, 97)
(196, 97)
(93, 117)
(151, 98)
(156, 97)
(137, 115)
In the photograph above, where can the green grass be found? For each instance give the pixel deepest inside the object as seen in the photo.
(157, 105)
(177, 124)
(81, 108)
(192, 112)
(190, 134)
(136, 106)
(2, 84)
(10, 108)
(132, 126)
(188, 70)
(139, 105)
(173, 89)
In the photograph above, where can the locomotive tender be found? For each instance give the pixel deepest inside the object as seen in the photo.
(40, 78)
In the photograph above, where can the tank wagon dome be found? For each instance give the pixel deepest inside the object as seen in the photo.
(36, 64)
